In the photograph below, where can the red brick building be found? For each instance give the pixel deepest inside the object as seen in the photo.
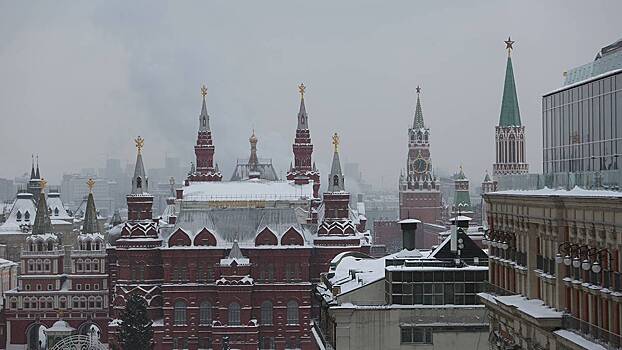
(47, 292)
(419, 188)
(235, 266)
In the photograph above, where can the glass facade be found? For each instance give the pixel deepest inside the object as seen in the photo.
(439, 287)
(582, 127)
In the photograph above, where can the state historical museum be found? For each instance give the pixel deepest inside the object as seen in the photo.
(232, 264)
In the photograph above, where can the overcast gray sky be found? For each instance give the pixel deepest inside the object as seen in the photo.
(79, 80)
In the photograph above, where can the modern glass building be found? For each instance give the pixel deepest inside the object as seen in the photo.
(582, 128)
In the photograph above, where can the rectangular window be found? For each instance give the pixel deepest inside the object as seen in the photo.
(416, 335)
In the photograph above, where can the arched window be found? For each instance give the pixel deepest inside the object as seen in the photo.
(55, 211)
(335, 180)
(19, 215)
(39, 265)
(139, 182)
(50, 246)
(266, 312)
(46, 265)
(27, 216)
(234, 314)
(206, 312)
(292, 312)
(31, 265)
(180, 313)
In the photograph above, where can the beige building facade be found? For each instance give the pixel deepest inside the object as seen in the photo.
(554, 269)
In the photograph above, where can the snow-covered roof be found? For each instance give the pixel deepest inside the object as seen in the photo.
(243, 224)
(575, 192)
(57, 207)
(364, 270)
(460, 218)
(90, 237)
(60, 326)
(23, 204)
(42, 237)
(409, 221)
(253, 189)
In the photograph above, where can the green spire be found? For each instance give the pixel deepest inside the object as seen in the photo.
(42, 224)
(418, 124)
(510, 115)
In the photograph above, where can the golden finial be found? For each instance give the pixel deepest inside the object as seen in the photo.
(90, 184)
(43, 184)
(508, 45)
(140, 142)
(301, 89)
(336, 142)
(203, 90)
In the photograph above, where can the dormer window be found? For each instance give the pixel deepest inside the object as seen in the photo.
(139, 182)
(335, 180)
(56, 212)
(19, 215)
(27, 216)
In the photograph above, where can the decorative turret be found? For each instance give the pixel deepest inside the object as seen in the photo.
(204, 148)
(139, 202)
(488, 185)
(336, 199)
(510, 134)
(42, 224)
(253, 161)
(303, 170)
(462, 198)
(335, 178)
(34, 184)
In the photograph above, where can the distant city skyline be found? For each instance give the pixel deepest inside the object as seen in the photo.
(102, 83)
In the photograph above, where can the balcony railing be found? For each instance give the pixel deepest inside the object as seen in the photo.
(43, 252)
(592, 332)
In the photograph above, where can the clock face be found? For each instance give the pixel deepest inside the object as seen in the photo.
(420, 165)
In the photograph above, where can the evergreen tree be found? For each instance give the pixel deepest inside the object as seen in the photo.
(136, 332)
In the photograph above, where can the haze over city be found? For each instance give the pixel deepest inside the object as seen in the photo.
(80, 82)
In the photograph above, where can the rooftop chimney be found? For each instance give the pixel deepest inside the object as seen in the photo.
(409, 226)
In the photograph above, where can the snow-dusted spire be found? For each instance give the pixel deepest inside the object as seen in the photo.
(32, 168)
(335, 178)
(302, 112)
(418, 122)
(42, 224)
(140, 182)
(204, 117)
(90, 224)
(37, 173)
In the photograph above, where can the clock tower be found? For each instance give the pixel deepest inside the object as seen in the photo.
(420, 195)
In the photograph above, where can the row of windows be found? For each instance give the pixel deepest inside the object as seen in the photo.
(39, 265)
(48, 303)
(264, 342)
(40, 246)
(233, 313)
(439, 276)
(18, 216)
(435, 293)
(292, 272)
(87, 265)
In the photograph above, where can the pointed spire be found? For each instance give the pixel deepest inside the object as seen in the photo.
(140, 183)
(335, 178)
(90, 224)
(510, 114)
(302, 112)
(204, 117)
(42, 224)
(418, 123)
(253, 160)
(37, 174)
(32, 168)
(487, 177)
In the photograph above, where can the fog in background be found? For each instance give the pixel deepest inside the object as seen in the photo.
(80, 80)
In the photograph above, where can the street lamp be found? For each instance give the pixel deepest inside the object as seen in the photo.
(586, 265)
(596, 268)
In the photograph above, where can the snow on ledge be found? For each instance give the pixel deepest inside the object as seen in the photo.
(579, 340)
